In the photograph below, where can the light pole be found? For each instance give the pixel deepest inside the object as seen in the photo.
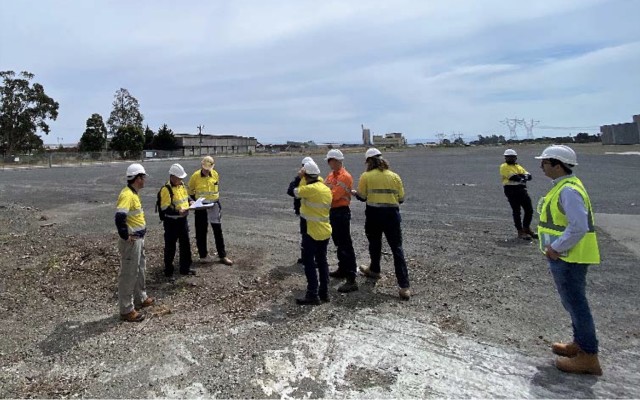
(200, 127)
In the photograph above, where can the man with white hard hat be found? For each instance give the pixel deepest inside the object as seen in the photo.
(514, 181)
(297, 181)
(383, 191)
(204, 183)
(340, 182)
(315, 203)
(568, 240)
(174, 203)
(131, 225)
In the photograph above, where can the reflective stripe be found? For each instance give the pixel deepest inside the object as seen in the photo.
(343, 185)
(175, 216)
(392, 191)
(550, 224)
(383, 205)
(315, 205)
(122, 210)
(137, 229)
(205, 194)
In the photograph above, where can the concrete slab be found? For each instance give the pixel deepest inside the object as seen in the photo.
(623, 228)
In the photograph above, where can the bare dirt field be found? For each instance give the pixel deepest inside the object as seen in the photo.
(480, 323)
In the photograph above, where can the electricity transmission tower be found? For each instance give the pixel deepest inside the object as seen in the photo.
(440, 137)
(512, 124)
(529, 127)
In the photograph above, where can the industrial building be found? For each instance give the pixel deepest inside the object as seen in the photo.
(625, 133)
(389, 140)
(196, 145)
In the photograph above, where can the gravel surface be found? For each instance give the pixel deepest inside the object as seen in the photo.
(482, 317)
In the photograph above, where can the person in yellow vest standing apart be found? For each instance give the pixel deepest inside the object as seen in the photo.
(131, 225)
(568, 240)
(204, 183)
(514, 180)
(315, 203)
(340, 182)
(175, 202)
(383, 191)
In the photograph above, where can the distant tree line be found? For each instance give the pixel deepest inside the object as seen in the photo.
(500, 139)
(25, 109)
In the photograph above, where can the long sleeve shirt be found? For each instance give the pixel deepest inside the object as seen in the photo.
(574, 208)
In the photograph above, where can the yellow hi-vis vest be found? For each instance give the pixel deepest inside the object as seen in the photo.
(553, 222)
(204, 186)
(314, 208)
(381, 188)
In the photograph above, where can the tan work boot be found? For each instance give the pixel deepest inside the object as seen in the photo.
(405, 293)
(565, 349)
(226, 261)
(582, 363)
(366, 271)
(133, 316)
(531, 233)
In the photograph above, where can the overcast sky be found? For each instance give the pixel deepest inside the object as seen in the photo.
(317, 70)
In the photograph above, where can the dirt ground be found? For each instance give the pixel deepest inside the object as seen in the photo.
(482, 317)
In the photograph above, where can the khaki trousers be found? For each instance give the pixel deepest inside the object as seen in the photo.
(131, 284)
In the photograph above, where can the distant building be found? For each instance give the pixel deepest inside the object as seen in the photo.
(625, 133)
(195, 145)
(366, 136)
(389, 140)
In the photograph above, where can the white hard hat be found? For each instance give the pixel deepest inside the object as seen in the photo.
(335, 154)
(177, 170)
(306, 160)
(208, 163)
(134, 170)
(510, 152)
(372, 152)
(311, 168)
(560, 152)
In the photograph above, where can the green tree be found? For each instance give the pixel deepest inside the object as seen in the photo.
(95, 136)
(128, 141)
(165, 139)
(126, 112)
(24, 109)
(148, 137)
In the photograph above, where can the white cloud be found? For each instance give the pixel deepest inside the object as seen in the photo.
(301, 70)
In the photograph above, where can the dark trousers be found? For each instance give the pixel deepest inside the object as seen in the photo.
(314, 254)
(519, 198)
(176, 230)
(340, 218)
(202, 227)
(386, 220)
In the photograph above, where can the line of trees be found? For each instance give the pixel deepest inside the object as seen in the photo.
(581, 137)
(25, 109)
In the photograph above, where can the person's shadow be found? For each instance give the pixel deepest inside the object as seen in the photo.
(69, 334)
(549, 382)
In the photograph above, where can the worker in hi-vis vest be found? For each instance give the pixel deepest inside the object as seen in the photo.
(514, 181)
(568, 239)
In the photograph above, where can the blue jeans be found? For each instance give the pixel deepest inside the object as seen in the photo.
(570, 279)
(314, 252)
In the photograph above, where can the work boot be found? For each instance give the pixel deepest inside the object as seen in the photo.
(523, 235)
(582, 363)
(338, 274)
(226, 261)
(405, 293)
(366, 271)
(206, 260)
(308, 301)
(348, 287)
(531, 233)
(565, 349)
(147, 303)
(133, 316)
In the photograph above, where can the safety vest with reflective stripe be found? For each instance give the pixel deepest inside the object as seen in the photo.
(553, 222)
(509, 170)
(340, 182)
(129, 203)
(179, 200)
(314, 208)
(381, 188)
(204, 186)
